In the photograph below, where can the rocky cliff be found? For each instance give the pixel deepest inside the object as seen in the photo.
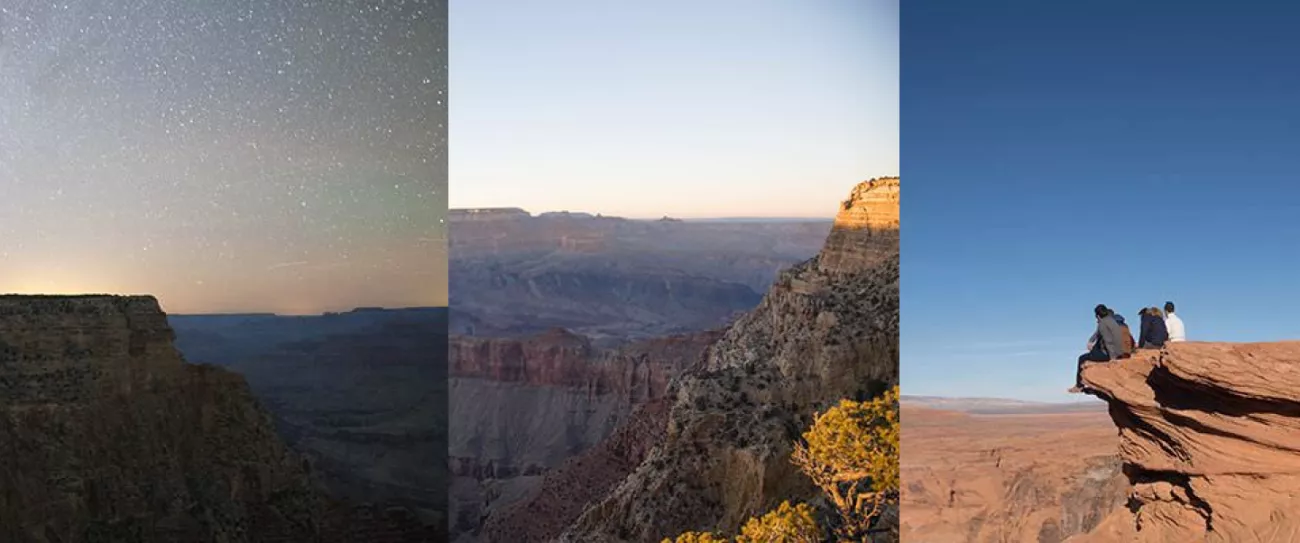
(865, 229)
(107, 435)
(1210, 441)
(825, 331)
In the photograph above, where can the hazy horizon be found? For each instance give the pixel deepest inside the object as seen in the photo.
(826, 217)
(712, 110)
(272, 158)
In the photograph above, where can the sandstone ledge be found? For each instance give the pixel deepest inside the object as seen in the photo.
(866, 229)
(1210, 440)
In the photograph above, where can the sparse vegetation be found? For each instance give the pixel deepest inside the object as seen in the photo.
(786, 524)
(697, 537)
(851, 454)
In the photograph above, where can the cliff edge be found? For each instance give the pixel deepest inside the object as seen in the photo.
(827, 330)
(1210, 441)
(107, 435)
(865, 229)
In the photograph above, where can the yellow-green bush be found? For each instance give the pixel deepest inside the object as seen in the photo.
(851, 453)
(785, 524)
(697, 537)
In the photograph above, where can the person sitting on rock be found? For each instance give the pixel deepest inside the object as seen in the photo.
(1152, 334)
(1107, 339)
(1174, 324)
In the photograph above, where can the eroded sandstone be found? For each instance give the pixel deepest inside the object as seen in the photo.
(1210, 440)
(865, 229)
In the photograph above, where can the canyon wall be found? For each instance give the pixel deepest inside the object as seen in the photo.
(1209, 434)
(522, 406)
(822, 333)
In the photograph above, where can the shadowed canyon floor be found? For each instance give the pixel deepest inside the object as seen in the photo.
(361, 394)
(1025, 477)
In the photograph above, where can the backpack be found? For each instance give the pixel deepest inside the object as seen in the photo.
(1127, 339)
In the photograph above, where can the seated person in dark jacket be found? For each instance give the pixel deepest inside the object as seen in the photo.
(1153, 334)
(1107, 339)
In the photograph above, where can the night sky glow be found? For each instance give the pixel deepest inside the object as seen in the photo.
(225, 156)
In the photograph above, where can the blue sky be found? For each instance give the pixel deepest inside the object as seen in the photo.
(690, 109)
(1060, 155)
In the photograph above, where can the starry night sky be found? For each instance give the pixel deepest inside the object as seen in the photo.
(234, 155)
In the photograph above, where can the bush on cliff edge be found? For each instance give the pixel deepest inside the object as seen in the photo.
(851, 454)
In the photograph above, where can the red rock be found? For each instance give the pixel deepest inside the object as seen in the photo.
(1210, 436)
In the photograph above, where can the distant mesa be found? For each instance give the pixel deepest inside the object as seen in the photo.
(487, 214)
(1210, 441)
(566, 215)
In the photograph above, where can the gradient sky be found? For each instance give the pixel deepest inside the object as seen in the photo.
(689, 109)
(1061, 155)
(225, 156)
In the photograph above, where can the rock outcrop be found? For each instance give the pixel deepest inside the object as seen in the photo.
(822, 333)
(107, 435)
(1210, 441)
(865, 229)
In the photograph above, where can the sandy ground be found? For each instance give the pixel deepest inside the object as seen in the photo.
(1006, 478)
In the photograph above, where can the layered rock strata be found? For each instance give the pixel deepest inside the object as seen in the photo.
(1210, 441)
(522, 406)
